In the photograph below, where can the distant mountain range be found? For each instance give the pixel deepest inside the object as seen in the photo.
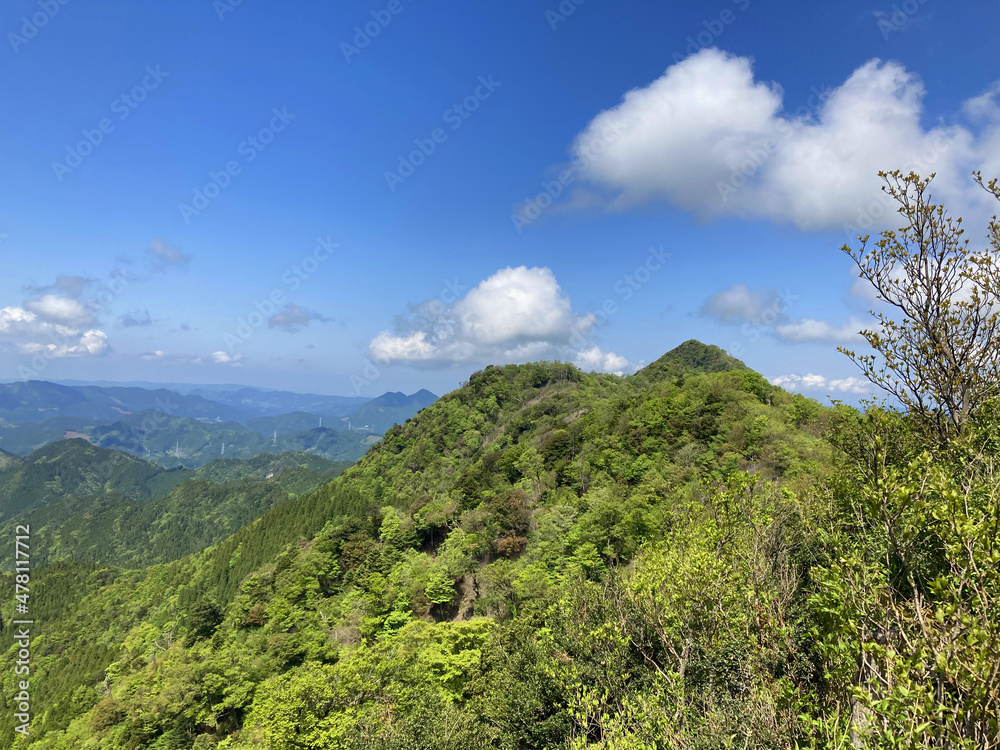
(189, 429)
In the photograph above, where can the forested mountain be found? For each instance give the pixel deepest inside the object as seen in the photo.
(372, 418)
(381, 413)
(687, 557)
(175, 441)
(449, 585)
(77, 468)
(85, 503)
(197, 513)
(7, 459)
(173, 429)
(263, 465)
(286, 424)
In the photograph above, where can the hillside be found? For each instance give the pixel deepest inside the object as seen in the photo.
(448, 586)
(381, 413)
(76, 468)
(181, 441)
(85, 503)
(218, 500)
(7, 460)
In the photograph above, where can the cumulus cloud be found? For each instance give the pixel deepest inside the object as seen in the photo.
(91, 343)
(17, 322)
(224, 358)
(593, 359)
(65, 311)
(163, 255)
(294, 318)
(27, 329)
(812, 382)
(739, 304)
(709, 138)
(810, 329)
(157, 355)
(516, 315)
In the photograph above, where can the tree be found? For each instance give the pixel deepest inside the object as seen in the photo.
(203, 618)
(942, 359)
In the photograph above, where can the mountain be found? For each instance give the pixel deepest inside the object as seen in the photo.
(36, 401)
(296, 421)
(77, 468)
(507, 569)
(259, 401)
(381, 413)
(373, 417)
(7, 460)
(263, 465)
(264, 403)
(172, 429)
(173, 441)
(691, 355)
(25, 438)
(127, 531)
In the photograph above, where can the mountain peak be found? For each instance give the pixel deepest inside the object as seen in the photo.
(694, 355)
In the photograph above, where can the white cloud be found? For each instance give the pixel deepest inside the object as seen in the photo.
(224, 358)
(709, 138)
(387, 347)
(158, 354)
(28, 329)
(810, 329)
(862, 289)
(594, 359)
(516, 315)
(812, 382)
(92, 343)
(61, 310)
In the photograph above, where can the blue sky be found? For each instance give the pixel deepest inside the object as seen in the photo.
(598, 182)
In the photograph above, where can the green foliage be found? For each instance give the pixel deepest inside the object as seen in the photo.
(542, 559)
